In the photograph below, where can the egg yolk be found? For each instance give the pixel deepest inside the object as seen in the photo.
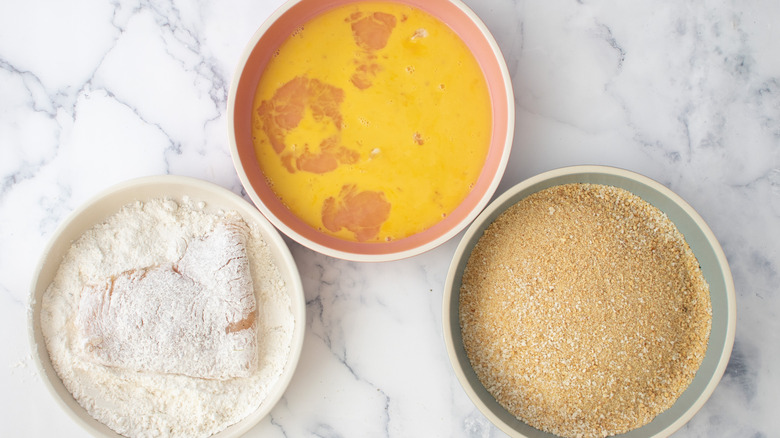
(372, 121)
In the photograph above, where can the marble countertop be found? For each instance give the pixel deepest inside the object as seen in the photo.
(93, 93)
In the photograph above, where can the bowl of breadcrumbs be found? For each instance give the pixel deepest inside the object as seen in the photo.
(589, 301)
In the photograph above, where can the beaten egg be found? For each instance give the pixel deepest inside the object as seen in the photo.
(372, 121)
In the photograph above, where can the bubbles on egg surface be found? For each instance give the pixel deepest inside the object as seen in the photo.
(419, 33)
(298, 30)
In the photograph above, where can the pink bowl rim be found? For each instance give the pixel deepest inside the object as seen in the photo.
(287, 223)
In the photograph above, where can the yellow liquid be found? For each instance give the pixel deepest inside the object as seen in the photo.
(372, 122)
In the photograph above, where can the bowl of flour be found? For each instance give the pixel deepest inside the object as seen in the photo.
(130, 326)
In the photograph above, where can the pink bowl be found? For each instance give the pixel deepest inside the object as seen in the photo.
(254, 59)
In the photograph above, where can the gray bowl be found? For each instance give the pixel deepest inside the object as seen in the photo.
(699, 237)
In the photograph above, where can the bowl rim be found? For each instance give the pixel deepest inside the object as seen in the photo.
(166, 183)
(450, 321)
(372, 252)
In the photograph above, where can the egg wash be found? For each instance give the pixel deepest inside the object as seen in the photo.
(372, 121)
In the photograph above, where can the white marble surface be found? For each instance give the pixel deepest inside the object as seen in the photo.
(95, 92)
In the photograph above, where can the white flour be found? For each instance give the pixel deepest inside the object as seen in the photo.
(139, 404)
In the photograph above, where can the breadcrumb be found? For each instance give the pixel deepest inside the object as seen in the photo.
(583, 311)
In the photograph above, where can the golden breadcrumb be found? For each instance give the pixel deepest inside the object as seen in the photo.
(583, 311)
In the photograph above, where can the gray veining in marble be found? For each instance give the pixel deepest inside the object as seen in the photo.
(93, 93)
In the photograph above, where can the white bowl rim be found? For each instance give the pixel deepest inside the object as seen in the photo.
(477, 226)
(273, 239)
(391, 256)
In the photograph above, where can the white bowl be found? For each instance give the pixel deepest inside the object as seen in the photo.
(109, 202)
(699, 237)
